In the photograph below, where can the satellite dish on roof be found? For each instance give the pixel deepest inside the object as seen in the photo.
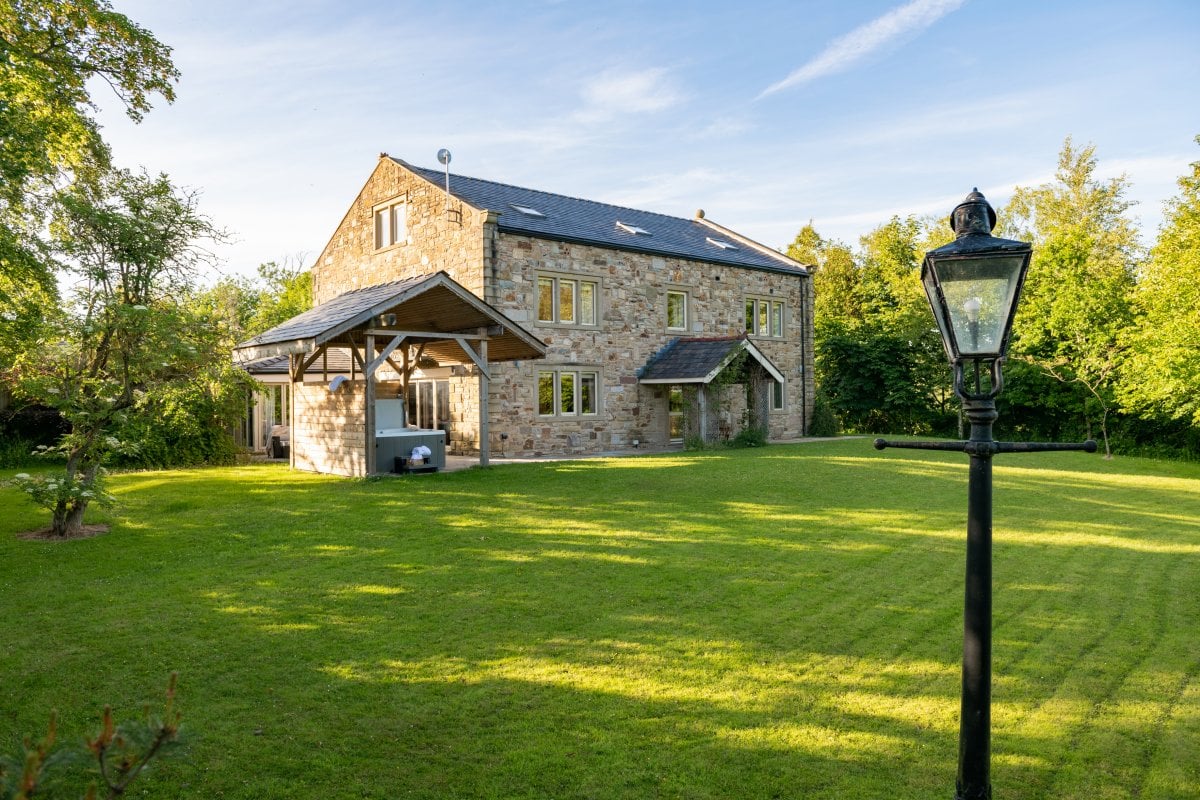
(444, 160)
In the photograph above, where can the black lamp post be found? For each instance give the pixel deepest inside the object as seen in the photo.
(974, 284)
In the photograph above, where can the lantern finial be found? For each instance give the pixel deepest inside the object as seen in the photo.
(974, 215)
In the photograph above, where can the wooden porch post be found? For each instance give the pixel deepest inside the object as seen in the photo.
(484, 384)
(293, 363)
(369, 399)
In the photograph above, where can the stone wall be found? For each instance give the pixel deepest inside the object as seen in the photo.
(327, 428)
(437, 240)
(632, 315)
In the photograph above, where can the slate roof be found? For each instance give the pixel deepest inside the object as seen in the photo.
(337, 361)
(319, 319)
(587, 221)
(433, 304)
(699, 360)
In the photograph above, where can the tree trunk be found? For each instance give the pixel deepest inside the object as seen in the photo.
(67, 517)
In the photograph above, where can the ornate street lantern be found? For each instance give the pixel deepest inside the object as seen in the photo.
(973, 285)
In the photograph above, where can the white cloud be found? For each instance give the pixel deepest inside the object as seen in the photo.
(845, 51)
(618, 93)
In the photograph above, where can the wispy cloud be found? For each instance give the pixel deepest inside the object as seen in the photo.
(620, 92)
(845, 51)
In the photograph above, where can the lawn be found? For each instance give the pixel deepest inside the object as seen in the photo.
(782, 622)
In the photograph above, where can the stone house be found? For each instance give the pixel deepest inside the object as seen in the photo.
(625, 303)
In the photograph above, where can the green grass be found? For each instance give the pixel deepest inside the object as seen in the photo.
(780, 622)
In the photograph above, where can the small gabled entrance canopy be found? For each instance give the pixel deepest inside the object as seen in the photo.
(706, 367)
(429, 316)
(702, 360)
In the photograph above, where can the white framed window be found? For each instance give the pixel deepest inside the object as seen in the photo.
(766, 317)
(564, 300)
(428, 403)
(778, 395)
(391, 223)
(568, 392)
(677, 310)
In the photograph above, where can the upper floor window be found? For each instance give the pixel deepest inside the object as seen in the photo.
(765, 317)
(567, 301)
(391, 223)
(677, 310)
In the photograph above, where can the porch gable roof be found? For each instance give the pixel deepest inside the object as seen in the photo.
(430, 305)
(700, 360)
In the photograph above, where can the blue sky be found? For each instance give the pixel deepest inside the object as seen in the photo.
(765, 114)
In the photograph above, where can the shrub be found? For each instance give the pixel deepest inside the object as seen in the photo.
(824, 422)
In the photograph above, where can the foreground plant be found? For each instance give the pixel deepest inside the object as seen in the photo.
(120, 753)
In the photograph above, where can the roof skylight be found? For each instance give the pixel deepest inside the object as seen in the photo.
(721, 243)
(527, 211)
(634, 229)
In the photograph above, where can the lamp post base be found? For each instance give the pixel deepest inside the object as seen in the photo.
(973, 793)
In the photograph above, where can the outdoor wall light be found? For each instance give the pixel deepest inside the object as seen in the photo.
(973, 285)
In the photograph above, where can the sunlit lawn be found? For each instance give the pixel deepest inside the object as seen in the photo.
(782, 622)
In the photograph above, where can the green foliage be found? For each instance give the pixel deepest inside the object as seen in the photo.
(52, 490)
(51, 52)
(1162, 367)
(120, 754)
(1105, 343)
(122, 341)
(15, 451)
(876, 380)
(286, 290)
(879, 360)
(824, 422)
(1076, 308)
(749, 436)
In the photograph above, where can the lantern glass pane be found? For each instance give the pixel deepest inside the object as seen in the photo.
(979, 295)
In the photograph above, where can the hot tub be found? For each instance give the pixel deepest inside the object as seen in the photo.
(391, 443)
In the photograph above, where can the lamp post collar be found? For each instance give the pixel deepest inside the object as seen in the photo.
(973, 216)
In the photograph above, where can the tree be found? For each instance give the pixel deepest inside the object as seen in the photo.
(1162, 370)
(286, 290)
(880, 363)
(132, 243)
(835, 274)
(49, 51)
(1076, 307)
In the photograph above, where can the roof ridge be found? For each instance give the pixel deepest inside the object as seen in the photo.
(542, 191)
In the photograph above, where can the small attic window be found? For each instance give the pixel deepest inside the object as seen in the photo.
(527, 211)
(721, 243)
(634, 229)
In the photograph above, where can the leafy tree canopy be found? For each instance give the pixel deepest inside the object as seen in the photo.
(1077, 303)
(49, 51)
(1163, 368)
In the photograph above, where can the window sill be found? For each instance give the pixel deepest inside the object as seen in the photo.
(566, 325)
